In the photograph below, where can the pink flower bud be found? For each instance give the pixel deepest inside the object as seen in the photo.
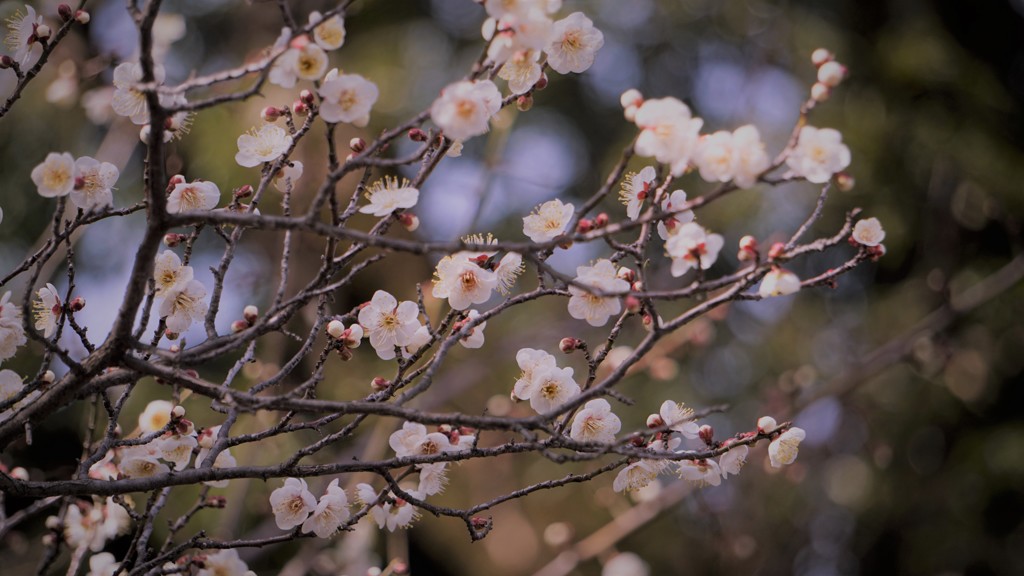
(637, 286)
(417, 135)
(357, 145)
(378, 383)
(655, 421)
(216, 502)
(174, 181)
(174, 348)
(242, 192)
(707, 434)
(42, 32)
(410, 221)
(171, 240)
(307, 97)
(633, 304)
(748, 249)
(82, 17)
(479, 523)
(845, 182)
(48, 377)
(568, 345)
(584, 226)
(776, 250)
(6, 62)
(820, 92)
(524, 102)
(19, 473)
(601, 220)
(270, 114)
(251, 314)
(238, 325)
(77, 304)
(65, 13)
(299, 108)
(820, 56)
(831, 73)
(170, 335)
(542, 83)
(626, 274)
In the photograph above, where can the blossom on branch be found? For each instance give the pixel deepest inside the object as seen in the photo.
(783, 450)
(574, 43)
(463, 281)
(199, 195)
(693, 247)
(329, 33)
(465, 108)
(637, 187)
(389, 324)
(595, 423)
(595, 309)
(292, 503)
(12, 332)
(388, 195)
(55, 176)
(668, 132)
(330, 512)
(94, 181)
(819, 154)
(47, 310)
(347, 98)
(868, 232)
(548, 220)
(183, 306)
(779, 282)
(263, 145)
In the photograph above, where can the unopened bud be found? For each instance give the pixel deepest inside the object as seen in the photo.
(655, 421)
(336, 329)
(42, 32)
(6, 62)
(48, 377)
(19, 473)
(631, 98)
(820, 92)
(77, 304)
(479, 523)
(766, 424)
(174, 349)
(299, 108)
(637, 286)
(845, 182)
(171, 240)
(191, 374)
(637, 441)
(633, 304)
(626, 274)
(243, 192)
(178, 411)
(776, 250)
(174, 181)
(648, 320)
(410, 221)
(357, 145)
(820, 56)
(524, 102)
(82, 17)
(568, 345)
(748, 248)
(238, 325)
(270, 114)
(831, 73)
(707, 434)
(251, 313)
(584, 226)
(542, 83)
(307, 97)
(379, 383)
(601, 220)
(216, 502)
(417, 135)
(65, 13)
(170, 334)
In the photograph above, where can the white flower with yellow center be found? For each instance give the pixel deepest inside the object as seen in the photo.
(783, 450)
(573, 44)
(141, 462)
(347, 98)
(184, 306)
(594, 308)
(169, 274)
(12, 332)
(330, 512)
(464, 108)
(636, 476)
(388, 195)
(868, 232)
(462, 280)
(128, 100)
(530, 361)
(548, 220)
(779, 282)
(595, 423)
(94, 182)
(700, 473)
(329, 34)
(311, 62)
(21, 36)
(176, 449)
(549, 388)
(47, 310)
(292, 503)
(693, 247)
(732, 461)
(668, 133)
(679, 418)
(414, 440)
(521, 71)
(155, 416)
(55, 176)
(198, 195)
(263, 145)
(389, 324)
(819, 154)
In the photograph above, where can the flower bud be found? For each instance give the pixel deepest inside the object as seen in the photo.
(357, 145)
(820, 92)
(238, 325)
(270, 114)
(776, 250)
(479, 523)
(242, 192)
(336, 329)
(633, 304)
(707, 434)
(52, 522)
(631, 98)
(378, 383)
(19, 473)
(42, 32)
(601, 220)
(174, 181)
(417, 135)
(299, 108)
(174, 349)
(637, 441)
(6, 62)
(748, 249)
(251, 313)
(584, 226)
(216, 502)
(626, 274)
(766, 424)
(82, 17)
(77, 304)
(410, 221)
(170, 334)
(542, 83)
(637, 286)
(821, 55)
(524, 102)
(307, 97)
(178, 411)
(655, 421)
(171, 240)
(831, 73)
(65, 13)
(48, 377)
(845, 182)
(568, 345)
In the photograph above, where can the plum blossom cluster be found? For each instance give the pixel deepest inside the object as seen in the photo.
(182, 297)
(88, 182)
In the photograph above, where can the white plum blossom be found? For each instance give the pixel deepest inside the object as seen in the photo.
(595, 309)
(700, 473)
(177, 449)
(155, 416)
(263, 145)
(549, 388)
(522, 70)
(305, 60)
(713, 156)
(636, 475)
(94, 181)
(783, 450)
(199, 195)
(868, 232)
(400, 514)
(669, 225)
(183, 306)
(668, 133)
(819, 154)
(128, 100)
(595, 423)
(55, 176)
(292, 503)
(169, 274)
(779, 282)
(10, 385)
(285, 178)
(732, 461)
(224, 460)
(388, 195)
(47, 310)
(679, 418)
(329, 33)
(461, 280)
(749, 159)
(414, 440)
(548, 220)
(475, 338)
(21, 36)
(388, 323)
(102, 564)
(693, 247)
(530, 361)
(637, 187)
(433, 478)
(766, 424)
(330, 512)
(519, 31)
(141, 462)
(574, 43)
(420, 338)
(464, 108)
(347, 98)
(508, 270)
(224, 563)
(12, 332)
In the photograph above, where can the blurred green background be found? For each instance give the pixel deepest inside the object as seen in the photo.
(914, 462)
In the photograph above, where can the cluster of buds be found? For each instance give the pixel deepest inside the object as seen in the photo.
(830, 74)
(179, 424)
(586, 224)
(748, 249)
(631, 101)
(273, 113)
(249, 316)
(66, 14)
(347, 338)
(454, 433)
(524, 102)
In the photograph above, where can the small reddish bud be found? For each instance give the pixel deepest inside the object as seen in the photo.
(584, 226)
(6, 62)
(42, 32)
(250, 313)
(633, 304)
(77, 304)
(357, 145)
(637, 441)
(170, 334)
(845, 182)
(601, 220)
(626, 274)
(82, 17)
(399, 568)
(299, 108)
(707, 434)
(568, 345)
(216, 502)
(655, 421)
(748, 249)
(776, 250)
(65, 12)
(648, 320)
(171, 240)
(243, 192)
(174, 181)
(479, 523)
(542, 83)
(238, 325)
(378, 383)
(524, 102)
(19, 473)
(270, 114)
(307, 97)
(637, 286)
(410, 221)
(417, 135)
